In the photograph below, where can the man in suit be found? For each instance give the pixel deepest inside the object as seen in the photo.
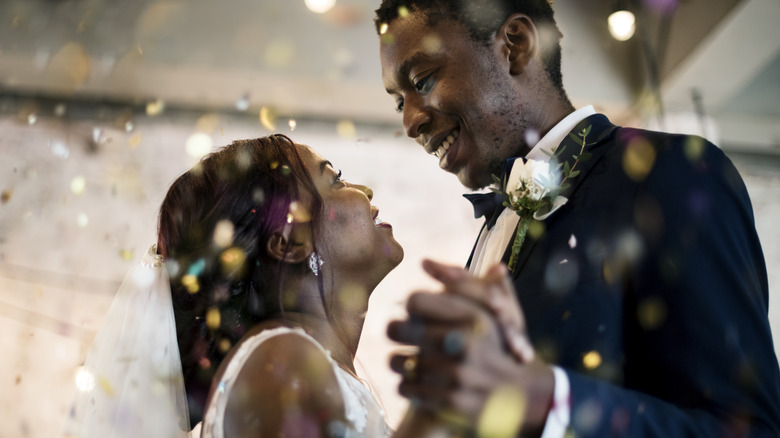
(637, 308)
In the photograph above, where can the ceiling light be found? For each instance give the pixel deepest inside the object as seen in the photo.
(622, 25)
(320, 6)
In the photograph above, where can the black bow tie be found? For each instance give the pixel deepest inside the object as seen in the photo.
(489, 205)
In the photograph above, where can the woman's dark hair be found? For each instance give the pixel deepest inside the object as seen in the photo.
(483, 18)
(221, 290)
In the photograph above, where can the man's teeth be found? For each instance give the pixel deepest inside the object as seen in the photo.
(445, 145)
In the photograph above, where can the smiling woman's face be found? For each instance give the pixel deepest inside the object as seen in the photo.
(350, 239)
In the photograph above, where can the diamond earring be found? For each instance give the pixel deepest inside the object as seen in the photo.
(315, 263)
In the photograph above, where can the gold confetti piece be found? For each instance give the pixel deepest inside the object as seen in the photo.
(224, 345)
(503, 413)
(432, 44)
(292, 123)
(591, 360)
(383, 28)
(346, 129)
(207, 123)
(403, 11)
(213, 318)
(190, 283)
(106, 386)
(233, 261)
(694, 148)
(268, 118)
(70, 66)
(6, 196)
(155, 108)
(134, 141)
(638, 159)
(126, 254)
(651, 313)
(78, 185)
(198, 145)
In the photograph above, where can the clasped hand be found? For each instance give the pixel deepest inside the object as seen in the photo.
(474, 353)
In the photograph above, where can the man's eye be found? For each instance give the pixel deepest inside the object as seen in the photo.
(424, 85)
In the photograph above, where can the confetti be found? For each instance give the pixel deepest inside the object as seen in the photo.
(242, 104)
(592, 360)
(223, 233)
(78, 185)
(82, 220)
(155, 108)
(638, 159)
(268, 118)
(6, 195)
(85, 380)
(213, 318)
(292, 123)
(346, 129)
(572, 242)
(198, 145)
(503, 413)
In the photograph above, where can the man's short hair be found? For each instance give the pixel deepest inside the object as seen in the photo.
(483, 18)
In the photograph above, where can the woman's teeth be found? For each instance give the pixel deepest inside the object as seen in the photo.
(378, 221)
(445, 145)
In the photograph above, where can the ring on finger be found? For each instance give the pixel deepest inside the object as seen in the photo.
(454, 343)
(410, 367)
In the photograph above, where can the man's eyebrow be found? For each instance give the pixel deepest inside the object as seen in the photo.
(323, 165)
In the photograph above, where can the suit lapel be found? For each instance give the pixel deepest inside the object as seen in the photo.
(601, 132)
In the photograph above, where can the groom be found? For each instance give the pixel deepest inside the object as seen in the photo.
(644, 296)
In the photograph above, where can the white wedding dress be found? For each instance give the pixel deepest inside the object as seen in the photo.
(365, 417)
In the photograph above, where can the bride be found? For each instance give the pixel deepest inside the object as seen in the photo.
(252, 305)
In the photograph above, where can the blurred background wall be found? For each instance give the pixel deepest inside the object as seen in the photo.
(103, 104)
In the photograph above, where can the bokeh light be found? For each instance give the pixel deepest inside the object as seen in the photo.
(622, 25)
(320, 6)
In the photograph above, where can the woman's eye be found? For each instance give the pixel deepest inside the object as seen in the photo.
(338, 179)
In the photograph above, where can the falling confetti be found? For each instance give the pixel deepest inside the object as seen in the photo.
(6, 195)
(638, 159)
(60, 109)
(572, 242)
(223, 233)
(31, 119)
(213, 318)
(233, 261)
(242, 104)
(199, 144)
(190, 282)
(292, 123)
(85, 380)
(82, 220)
(346, 129)
(268, 118)
(503, 413)
(155, 108)
(592, 360)
(78, 185)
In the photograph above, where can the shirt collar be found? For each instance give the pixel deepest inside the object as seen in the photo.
(552, 139)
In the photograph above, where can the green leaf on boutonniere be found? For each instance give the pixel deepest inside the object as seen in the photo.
(574, 137)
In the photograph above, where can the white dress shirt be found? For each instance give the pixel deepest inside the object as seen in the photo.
(492, 244)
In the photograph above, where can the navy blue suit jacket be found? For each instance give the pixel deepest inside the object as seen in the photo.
(657, 307)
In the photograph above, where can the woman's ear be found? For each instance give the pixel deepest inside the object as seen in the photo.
(519, 39)
(290, 246)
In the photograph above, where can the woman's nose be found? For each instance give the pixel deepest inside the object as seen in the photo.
(364, 189)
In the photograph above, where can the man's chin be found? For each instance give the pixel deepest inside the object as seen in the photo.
(471, 182)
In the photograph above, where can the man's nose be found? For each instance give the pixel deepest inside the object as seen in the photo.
(417, 118)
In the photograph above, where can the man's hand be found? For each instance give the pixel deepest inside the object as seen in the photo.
(474, 355)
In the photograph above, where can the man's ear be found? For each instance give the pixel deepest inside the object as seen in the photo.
(519, 38)
(289, 247)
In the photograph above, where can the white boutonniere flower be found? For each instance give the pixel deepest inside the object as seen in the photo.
(533, 187)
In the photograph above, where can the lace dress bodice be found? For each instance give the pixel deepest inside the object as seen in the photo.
(365, 417)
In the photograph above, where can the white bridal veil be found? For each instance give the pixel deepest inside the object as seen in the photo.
(131, 384)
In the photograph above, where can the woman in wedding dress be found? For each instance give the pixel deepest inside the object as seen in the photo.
(271, 258)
